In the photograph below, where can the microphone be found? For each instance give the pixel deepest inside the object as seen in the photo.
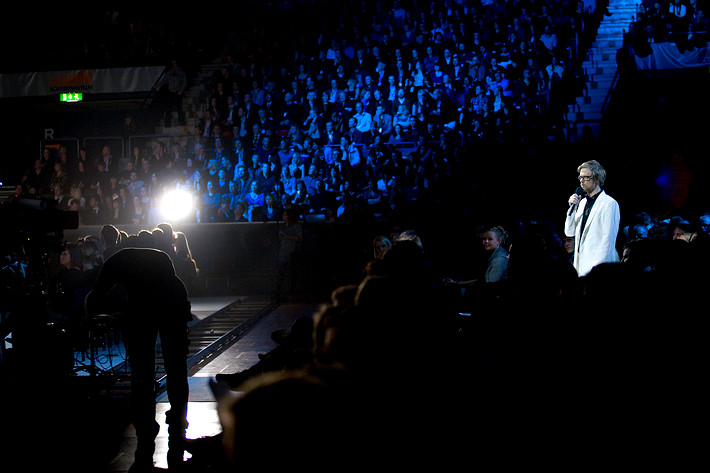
(573, 209)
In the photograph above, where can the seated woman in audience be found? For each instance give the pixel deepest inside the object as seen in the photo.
(301, 198)
(139, 214)
(288, 181)
(273, 210)
(296, 166)
(397, 135)
(493, 243)
(334, 181)
(402, 117)
(380, 246)
(418, 74)
(255, 201)
(313, 130)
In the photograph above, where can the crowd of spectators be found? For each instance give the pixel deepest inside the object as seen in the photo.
(679, 21)
(378, 110)
(386, 109)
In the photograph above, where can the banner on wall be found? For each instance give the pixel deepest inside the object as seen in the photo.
(665, 56)
(95, 81)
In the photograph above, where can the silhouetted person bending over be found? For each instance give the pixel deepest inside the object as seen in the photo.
(140, 285)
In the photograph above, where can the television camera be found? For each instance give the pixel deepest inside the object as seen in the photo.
(32, 230)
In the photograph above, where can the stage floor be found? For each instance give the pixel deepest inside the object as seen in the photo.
(202, 408)
(81, 424)
(216, 322)
(107, 347)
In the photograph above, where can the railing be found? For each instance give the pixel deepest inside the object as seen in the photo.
(607, 99)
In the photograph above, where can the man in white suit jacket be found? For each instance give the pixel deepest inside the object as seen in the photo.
(593, 221)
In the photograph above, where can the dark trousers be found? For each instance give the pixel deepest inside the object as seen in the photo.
(140, 333)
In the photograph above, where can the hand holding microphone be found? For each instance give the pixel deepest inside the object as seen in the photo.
(575, 199)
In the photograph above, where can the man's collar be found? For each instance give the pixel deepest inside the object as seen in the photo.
(594, 197)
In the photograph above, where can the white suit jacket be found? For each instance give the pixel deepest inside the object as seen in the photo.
(598, 242)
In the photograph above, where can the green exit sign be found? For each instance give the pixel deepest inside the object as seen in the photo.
(71, 97)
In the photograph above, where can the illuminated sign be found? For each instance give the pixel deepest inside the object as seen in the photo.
(71, 97)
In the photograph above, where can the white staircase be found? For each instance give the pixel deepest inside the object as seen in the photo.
(194, 103)
(600, 69)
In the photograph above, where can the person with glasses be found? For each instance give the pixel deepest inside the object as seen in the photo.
(593, 220)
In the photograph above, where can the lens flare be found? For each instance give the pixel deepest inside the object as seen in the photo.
(176, 205)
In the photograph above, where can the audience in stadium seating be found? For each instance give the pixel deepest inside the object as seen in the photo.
(363, 113)
(366, 76)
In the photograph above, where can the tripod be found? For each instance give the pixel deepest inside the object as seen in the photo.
(102, 333)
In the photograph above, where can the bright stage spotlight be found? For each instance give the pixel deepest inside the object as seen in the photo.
(176, 205)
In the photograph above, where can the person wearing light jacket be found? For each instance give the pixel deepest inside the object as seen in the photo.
(593, 220)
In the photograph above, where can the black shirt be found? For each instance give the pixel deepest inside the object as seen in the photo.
(588, 209)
